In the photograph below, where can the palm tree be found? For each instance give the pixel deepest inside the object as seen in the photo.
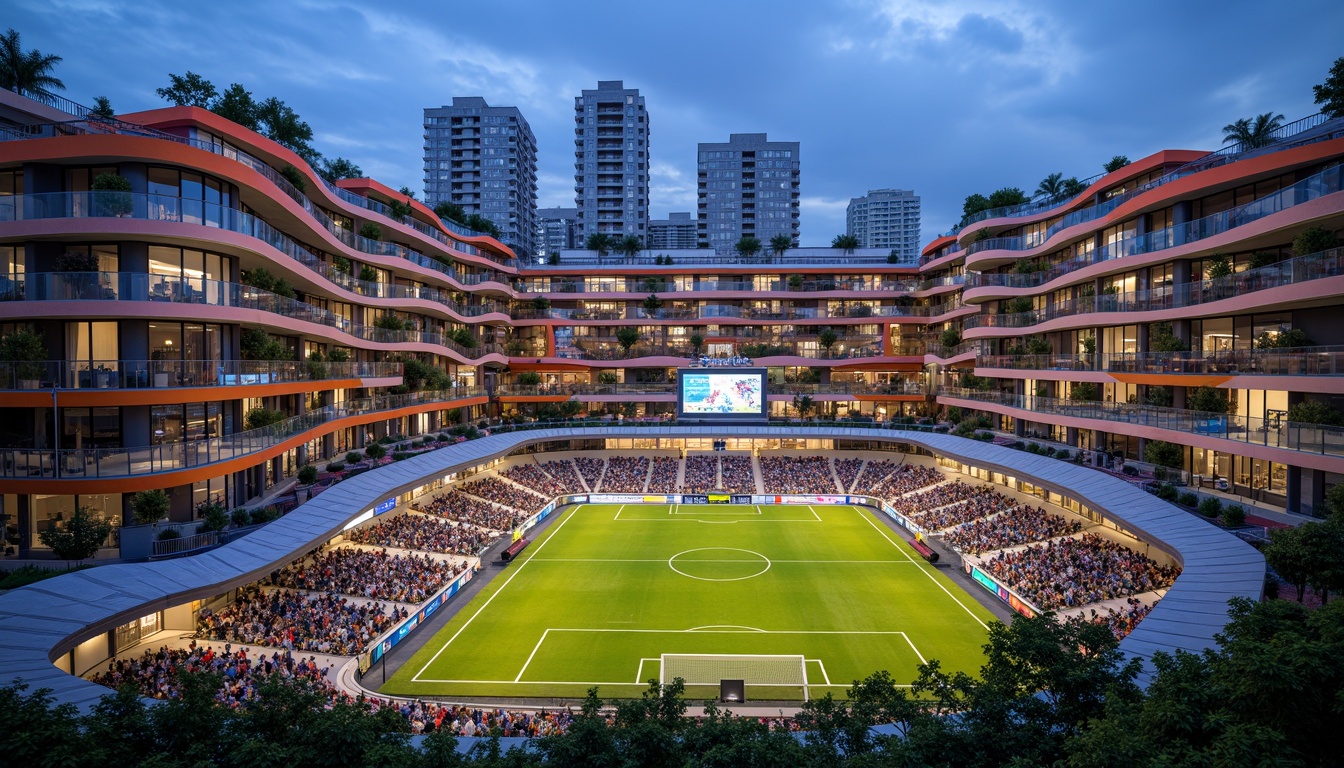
(780, 244)
(1072, 187)
(29, 72)
(1051, 187)
(1250, 133)
(600, 242)
(747, 246)
(629, 246)
(846, 243)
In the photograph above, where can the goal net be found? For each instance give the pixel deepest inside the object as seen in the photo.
(753, 669)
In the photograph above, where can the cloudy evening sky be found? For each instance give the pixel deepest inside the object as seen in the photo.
(946, 98)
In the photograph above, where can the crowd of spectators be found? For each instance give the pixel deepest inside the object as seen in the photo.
(329, 624)
(1073, 572)
(157, 674)
(908, 478)
(797, 474)
(540, 479)
(983, 502)
(737, 474)
(663, 478)
(375, 574)
(494, 490)
(702, 474)
(427, 534)
(874, 474)
(456, 505)
(462, 720)
(591, 469)
(1020, 525)
(848, 471)
(626, 474)
(939, 496)
(1123, 621)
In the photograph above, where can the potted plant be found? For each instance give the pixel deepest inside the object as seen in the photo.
(22, 353)
(111, 195)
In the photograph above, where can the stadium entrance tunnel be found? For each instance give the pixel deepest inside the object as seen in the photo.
(719, 564)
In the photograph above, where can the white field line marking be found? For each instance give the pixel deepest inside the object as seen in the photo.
(922, 569)
(639, 673)
(825, 676)
(592, 683)
(492, 597)
(535, 648)
(664, 560)
(618, 512)
(922, 660)
(814, 513)
(685, 519)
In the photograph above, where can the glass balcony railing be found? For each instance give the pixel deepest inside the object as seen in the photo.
(86, 463)
(145, 374)
(1292, 271)
(1313, 187)
(166, 208)
(134, 286)
(610, 349)
(910, 387)
(779, 284)
(1303, 361)
(1303, 130)
(1274, 433)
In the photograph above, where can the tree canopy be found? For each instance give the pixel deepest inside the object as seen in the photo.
(271, 117)
(26, 72)
(1330, 94)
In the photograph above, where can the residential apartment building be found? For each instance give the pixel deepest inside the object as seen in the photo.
(611, 160)
(214, 327)
(886, 218)
(484, 159)
(747, 186)
(558, 229)
(678, 230)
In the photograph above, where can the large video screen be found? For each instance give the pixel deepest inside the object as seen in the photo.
(734, 394)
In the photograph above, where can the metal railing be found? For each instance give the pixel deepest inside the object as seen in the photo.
(709, 257)
(1303, 361)
(1274, 433)
(639, 287)
(1294, 271)
(146, 374)
(84, 463)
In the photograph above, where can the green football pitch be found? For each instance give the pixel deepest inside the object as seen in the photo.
(611, 595)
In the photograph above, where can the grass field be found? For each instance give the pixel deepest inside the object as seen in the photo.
(606, 590)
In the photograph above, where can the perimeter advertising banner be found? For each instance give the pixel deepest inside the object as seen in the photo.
(721, 395)
(1000, 591)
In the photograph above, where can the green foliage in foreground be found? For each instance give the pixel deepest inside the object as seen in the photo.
(1050, 693)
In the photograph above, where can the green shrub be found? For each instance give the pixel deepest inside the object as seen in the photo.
(1210, 507)
(265, 515)
(375, 451)
(353, 457)
(400, 455)
(1187, 499)
(308, 474)
(1167, 492)
(1033, 448)
(169, 533)
(1208, 399)
(1163, 454)
(371, 231)
(241, 517)
(294, 176)
(335, 466)
(1234, 516)
(1314, 240)
(1314, 412)
(150, 506)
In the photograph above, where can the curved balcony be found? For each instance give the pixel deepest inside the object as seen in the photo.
(1311, 188)
(774, 390)
(1298, 128)
(1294, 271)
(602, 350)
(1302, 361)
(134, 286)
(637, 288)
(1191, 426)
(166, 374)
(122, 205)
(113, 463)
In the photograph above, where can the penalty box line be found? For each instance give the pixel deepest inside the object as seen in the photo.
(699, 631)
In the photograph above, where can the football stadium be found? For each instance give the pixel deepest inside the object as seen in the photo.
(299, 468)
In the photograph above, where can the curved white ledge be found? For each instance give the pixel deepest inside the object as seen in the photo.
(39, 623)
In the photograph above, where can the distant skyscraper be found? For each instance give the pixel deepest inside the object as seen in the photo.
(484, 159)
(557, 229)
(676, 231)
(886, 218)
(611, 160)
(748, 186)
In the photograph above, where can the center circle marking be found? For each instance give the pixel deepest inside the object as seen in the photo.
(671, 563)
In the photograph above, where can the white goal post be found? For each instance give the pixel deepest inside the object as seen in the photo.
(754, 669)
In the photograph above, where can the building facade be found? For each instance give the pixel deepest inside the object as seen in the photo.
(747, 187)
(484, 159)
(178, 315)
(558, 229)
(886, 218)
(678, 230)
(611, 160)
